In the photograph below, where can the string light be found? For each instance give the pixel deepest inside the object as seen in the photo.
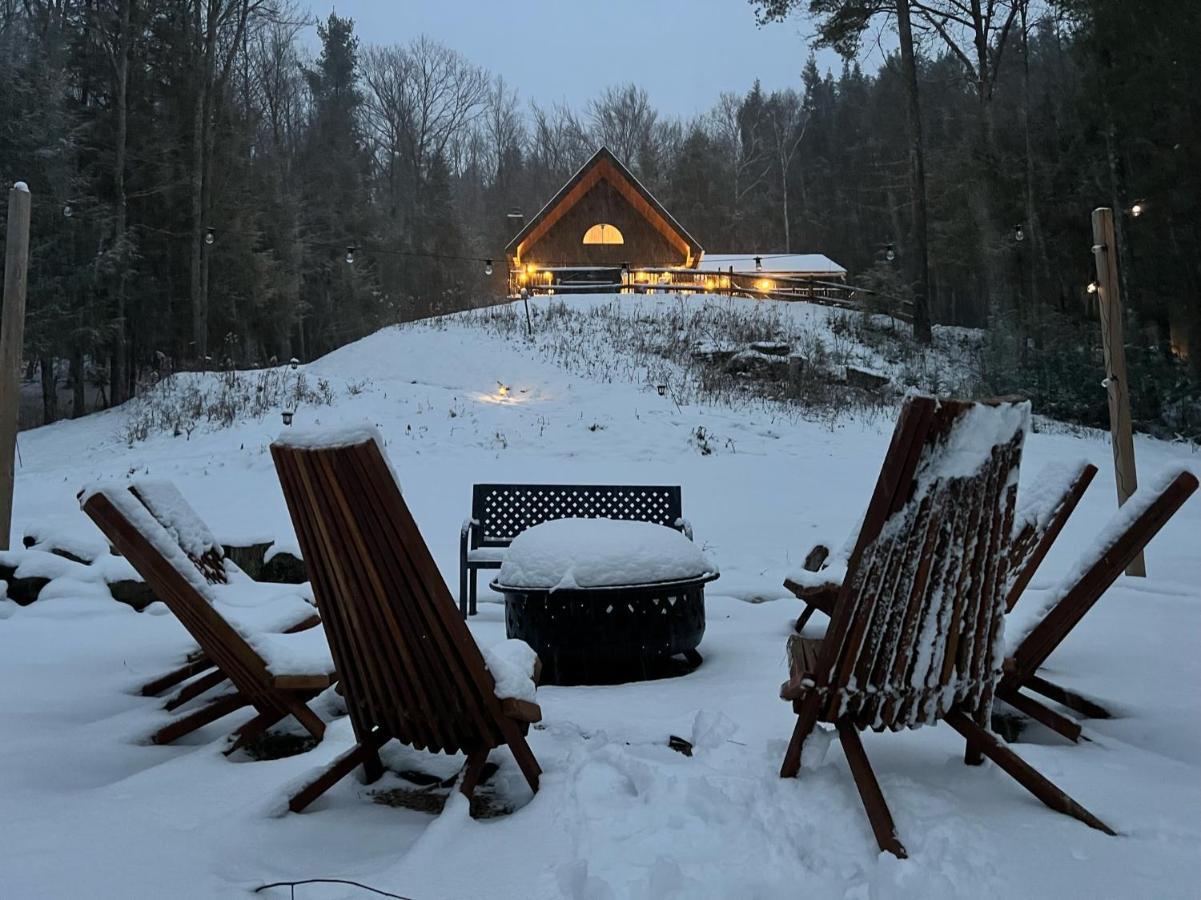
(890, 253)
(67, 211)
(350, 256)
(210, 236)
(487, 267)
(1092, 287)
(1019, 232)
(758, 263)
(1138, 207)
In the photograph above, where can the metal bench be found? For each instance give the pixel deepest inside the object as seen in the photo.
(500, 512)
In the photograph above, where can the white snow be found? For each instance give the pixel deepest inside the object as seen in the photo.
(86, 802)
(21, 186)
(172, 511)
(511, 663)
(1039, 499)
(588, 553)
(326, 438)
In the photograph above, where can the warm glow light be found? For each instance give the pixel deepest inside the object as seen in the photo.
(502, 389)
(725, 281)
(641, 277)
(764, 284)
(522, 278)
(530, 268)
(710, 283)
(603, 234)
(1092, 287)
(665, 278)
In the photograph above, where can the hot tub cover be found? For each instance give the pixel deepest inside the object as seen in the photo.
(588, 553)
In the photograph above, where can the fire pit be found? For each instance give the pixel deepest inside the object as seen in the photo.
(602, 601)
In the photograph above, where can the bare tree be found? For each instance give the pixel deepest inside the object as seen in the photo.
(560, 143)
(624, 121)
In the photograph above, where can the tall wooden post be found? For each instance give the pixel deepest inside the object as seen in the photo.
(12, 338)
(1105, 254)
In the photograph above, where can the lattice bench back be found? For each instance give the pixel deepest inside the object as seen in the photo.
(917, 630)
(506, 510)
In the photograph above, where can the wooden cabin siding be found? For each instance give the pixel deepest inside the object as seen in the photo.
(562, 244)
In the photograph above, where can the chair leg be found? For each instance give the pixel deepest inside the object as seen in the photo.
(471, 772)
(195, 688)
(335, 772)
(306, 717)
(463, 589)
(215, 710)
(252, 729)
(869, 790)
(1062, 725)
(1070, 699)
(1021, 771)
(804, 617)
(972, 755)
(521, 752)
(175, 676)
(805, 722)
(472, 587)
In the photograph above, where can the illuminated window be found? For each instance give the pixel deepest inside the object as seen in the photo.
(603, 234)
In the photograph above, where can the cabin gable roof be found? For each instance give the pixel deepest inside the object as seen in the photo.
(604, 165)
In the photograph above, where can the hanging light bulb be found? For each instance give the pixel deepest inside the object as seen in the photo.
(1019, 232)
(67, 211)
(487, 267)
(210, 236)
(758, 263)
(890, 253)
(1092, 287)
(350, 256)
(1138, 207)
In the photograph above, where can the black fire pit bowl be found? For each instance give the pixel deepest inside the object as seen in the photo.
(607, 635)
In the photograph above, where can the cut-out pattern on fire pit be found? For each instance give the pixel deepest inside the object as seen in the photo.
(509, 509)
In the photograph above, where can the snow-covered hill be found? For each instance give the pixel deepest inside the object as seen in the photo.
(620, 815)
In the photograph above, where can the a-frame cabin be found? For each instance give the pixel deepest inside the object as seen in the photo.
(602, 217)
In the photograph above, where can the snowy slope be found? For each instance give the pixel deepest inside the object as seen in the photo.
(620, 815)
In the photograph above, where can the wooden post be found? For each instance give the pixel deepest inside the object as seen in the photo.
(12, 339)
(1105, 254)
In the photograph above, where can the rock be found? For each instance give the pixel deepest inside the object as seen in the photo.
(284, 568)
(762, 365)
(137, 594)
(771, 348)
(249, 558)
(22, 591)
(865, 378)
(713, 351)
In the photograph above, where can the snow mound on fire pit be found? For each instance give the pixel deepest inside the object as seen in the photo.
(590, 553)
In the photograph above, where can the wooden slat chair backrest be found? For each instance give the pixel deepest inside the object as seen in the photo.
(1039, 521)
(506, 510)
(176, 580)
(919, 616)
(167, 505)
(405, 658)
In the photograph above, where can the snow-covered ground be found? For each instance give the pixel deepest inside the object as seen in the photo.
(89, 809)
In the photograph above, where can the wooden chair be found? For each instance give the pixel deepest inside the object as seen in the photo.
(284, 614)
(916, 629)
(1136, 523)
(409, 667)
(182, 581)
(1042, 512)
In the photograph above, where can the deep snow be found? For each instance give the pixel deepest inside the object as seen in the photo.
(89, 810)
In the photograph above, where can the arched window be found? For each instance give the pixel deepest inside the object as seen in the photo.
(603, 234)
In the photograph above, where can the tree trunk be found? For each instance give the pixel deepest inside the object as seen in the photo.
(78, 385)
(119, 387)
(920, 264)
(49, 390)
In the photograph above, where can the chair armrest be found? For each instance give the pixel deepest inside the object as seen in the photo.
(465, 536)
(685, 526)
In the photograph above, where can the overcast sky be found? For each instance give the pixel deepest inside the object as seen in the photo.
(683, 52)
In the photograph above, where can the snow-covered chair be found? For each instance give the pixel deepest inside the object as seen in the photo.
(276, 673)
(1136, 522)
(1042, 511)
(250, 606)
(409, 668)
(916, 633)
